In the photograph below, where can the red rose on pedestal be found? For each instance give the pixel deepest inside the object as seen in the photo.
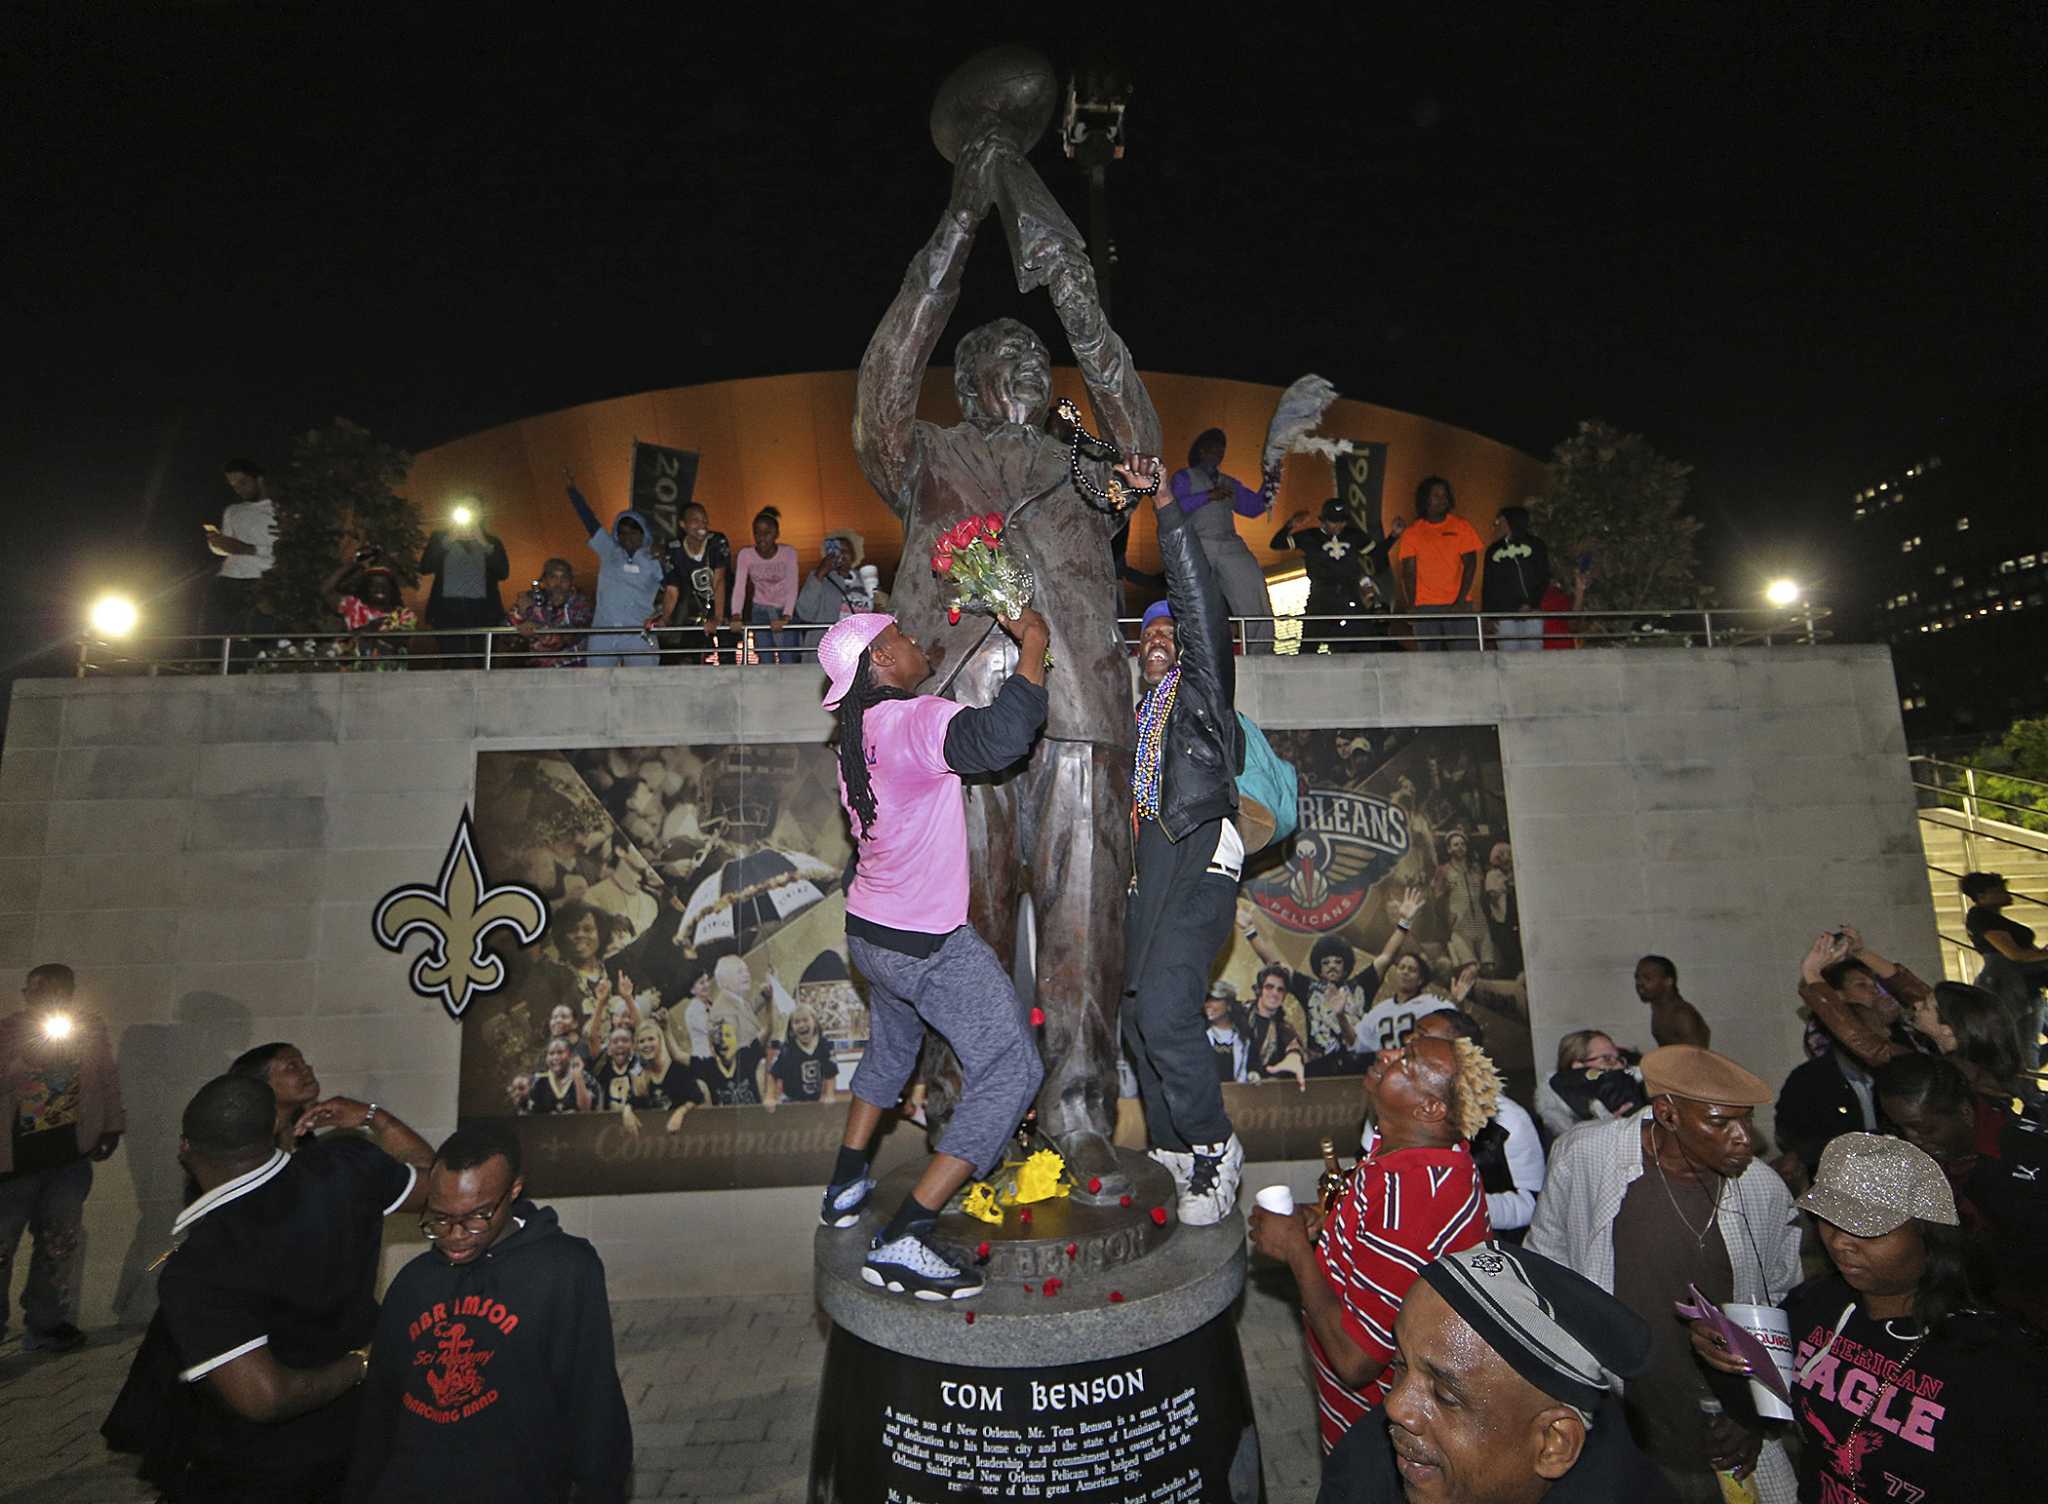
(1159, 1215)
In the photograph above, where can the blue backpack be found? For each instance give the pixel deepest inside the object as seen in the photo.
(1268, 788)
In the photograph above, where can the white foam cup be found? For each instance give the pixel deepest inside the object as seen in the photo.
(1773, 1329)
(1277, 1199)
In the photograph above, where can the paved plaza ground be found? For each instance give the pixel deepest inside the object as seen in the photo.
(723, 1394)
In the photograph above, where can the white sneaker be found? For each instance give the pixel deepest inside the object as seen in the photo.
(1179, 1166)
(1211, 1192)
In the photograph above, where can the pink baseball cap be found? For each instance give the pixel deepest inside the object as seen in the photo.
(839, 652)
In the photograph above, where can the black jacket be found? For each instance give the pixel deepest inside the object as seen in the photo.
(1511, 579)
(1334, 579)
(1204, 749)
(496, 1379)
(1817, 1105)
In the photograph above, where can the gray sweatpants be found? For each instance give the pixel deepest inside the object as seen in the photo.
(962, 991)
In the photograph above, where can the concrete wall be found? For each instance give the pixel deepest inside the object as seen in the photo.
(207, 851)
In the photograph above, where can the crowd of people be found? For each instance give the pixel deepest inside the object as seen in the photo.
(694, 598)
(608, 1042)
(269, 1372)
(1470, 1289)
(1900, 1230)
(1490, 1295)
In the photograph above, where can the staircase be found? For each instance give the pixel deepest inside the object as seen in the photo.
(1960, 832)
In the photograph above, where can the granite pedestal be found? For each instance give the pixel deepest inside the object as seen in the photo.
(1109, 1373)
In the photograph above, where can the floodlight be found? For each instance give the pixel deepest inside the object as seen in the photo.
(113, 616)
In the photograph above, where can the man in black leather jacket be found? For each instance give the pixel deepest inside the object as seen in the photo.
(1189, 857)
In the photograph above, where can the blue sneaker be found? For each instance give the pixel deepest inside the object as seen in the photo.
(918, 1265)
(845, 1201)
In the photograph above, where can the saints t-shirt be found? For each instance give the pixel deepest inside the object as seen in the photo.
(674, 1087)
(46, 1114)
(737, 1089)
(1385, 1023)
(803, 1074)
(1953, 1422)
(543, 1096)
(611, 1085)
(694, 577)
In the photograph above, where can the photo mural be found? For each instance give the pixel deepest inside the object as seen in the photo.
(689, 1021)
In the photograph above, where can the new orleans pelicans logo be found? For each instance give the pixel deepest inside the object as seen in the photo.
(1344, 844)
(456, 916)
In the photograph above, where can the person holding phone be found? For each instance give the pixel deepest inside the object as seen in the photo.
(467, 563)
(245, 542)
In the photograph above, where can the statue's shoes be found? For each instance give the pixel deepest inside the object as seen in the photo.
(1092, 1158)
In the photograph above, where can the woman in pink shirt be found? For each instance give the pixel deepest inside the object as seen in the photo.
(772, 568)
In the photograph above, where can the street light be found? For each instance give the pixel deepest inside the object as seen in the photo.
(113, 616)
(1783, 592)
(463, 515)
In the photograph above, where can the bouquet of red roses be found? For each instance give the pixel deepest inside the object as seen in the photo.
(980, 576)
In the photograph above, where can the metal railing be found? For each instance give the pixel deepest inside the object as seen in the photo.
(499, 648)
(1955, 785)
(1946, 788)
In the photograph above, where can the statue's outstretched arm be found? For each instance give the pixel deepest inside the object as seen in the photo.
(1049, 252)
(892, 370)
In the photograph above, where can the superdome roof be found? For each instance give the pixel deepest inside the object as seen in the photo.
(786, 441)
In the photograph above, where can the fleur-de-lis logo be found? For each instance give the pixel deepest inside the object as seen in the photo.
(456, 916)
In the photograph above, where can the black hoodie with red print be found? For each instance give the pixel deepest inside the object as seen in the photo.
(495, 1379)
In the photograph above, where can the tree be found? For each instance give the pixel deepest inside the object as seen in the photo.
(340, 488)
(1614, 497)
(2022, 753)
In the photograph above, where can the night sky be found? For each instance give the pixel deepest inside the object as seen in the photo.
(1782, 249)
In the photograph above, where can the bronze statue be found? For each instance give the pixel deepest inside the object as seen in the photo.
(1059, 829)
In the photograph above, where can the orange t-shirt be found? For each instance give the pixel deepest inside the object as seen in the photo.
(1438, 549)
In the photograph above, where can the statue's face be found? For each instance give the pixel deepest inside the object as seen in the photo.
(1014, 378)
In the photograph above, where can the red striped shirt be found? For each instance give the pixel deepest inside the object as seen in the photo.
(1401, 1210)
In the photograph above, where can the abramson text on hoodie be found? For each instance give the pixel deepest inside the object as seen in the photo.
(495, 1379)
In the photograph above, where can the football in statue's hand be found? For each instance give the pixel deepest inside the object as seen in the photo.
(1012, 87)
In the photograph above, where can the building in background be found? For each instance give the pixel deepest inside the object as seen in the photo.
(1950, 549)
(787, 441)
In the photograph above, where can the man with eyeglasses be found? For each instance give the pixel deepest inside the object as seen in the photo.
(492, 1374)
(244, 1387)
